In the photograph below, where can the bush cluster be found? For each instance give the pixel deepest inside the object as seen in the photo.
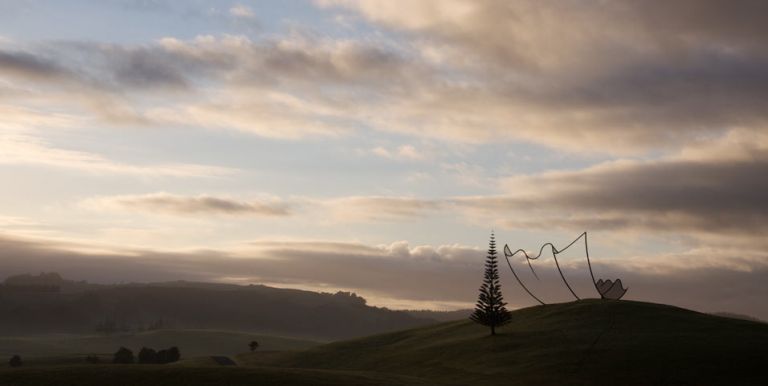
(148, 356)
(15, 361)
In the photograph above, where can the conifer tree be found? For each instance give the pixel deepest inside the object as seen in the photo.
(490, 310)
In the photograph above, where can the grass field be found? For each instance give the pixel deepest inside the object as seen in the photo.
(589, 342)
(149, 375)
(193, 343)
(585, 342)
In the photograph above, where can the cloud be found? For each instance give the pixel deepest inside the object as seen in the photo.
(242, 11)
(23, 149)
(397, 273)
(472, 72)
(708, 192)
(189, 205)
(380, 208)
(712, 191)
(29, 66)
(401, 153)
(346, 209)
(665, 75)
(268, 87)
(458, 70)
(499, 32)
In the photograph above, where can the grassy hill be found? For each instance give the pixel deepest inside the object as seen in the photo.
(585, 342)
(193, 343)
(81, 308)
(154, 375)
(590, 342)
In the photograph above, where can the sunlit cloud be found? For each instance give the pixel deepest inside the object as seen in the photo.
(566, 97)
(550, 74)
(28, 150)
(401, 153)
(242, 11)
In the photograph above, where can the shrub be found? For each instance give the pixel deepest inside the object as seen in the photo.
(147, 355)
(123, 355)
(168, 356)
(174, 354)
(15, 361)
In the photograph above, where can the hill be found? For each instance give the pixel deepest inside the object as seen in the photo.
(441, 316)
(589, 342)
(27, 303)
(164, 375)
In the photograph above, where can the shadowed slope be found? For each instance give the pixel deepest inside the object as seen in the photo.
(585, 342)
(163, 375)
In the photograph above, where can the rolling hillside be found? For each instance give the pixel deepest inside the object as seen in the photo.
(153, 375)
(585, 342)
(27, 303)
(590, 342)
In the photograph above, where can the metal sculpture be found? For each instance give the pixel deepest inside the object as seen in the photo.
(606, 288)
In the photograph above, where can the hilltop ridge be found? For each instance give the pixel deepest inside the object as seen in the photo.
(86, 308)
(583, 342)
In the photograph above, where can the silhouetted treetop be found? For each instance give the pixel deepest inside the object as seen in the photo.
(123, 355)
(490, 309)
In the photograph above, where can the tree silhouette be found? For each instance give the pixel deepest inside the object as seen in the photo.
(174, 354)
(253, 345)
(123, 355)
(15, 361)
(168, 356)
(147, 355)
(490, 310)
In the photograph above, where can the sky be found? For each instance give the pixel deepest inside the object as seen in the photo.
(373, 146)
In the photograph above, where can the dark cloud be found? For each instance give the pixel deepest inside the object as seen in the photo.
(30, 66)
(715, 195)
(190, 205)
(716, 189)
(138, 69)
(737, 23)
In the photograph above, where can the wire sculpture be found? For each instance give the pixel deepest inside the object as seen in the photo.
(607, 289)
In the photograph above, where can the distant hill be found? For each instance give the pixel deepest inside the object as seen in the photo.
(738, 316)
(83, 308)
(590, 342)
(442, 316)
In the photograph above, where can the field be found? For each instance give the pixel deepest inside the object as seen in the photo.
(588, 342)
(194, 343)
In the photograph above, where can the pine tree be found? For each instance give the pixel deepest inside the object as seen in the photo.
(490, 310)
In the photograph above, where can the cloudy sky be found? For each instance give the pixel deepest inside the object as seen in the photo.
(373, 145)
